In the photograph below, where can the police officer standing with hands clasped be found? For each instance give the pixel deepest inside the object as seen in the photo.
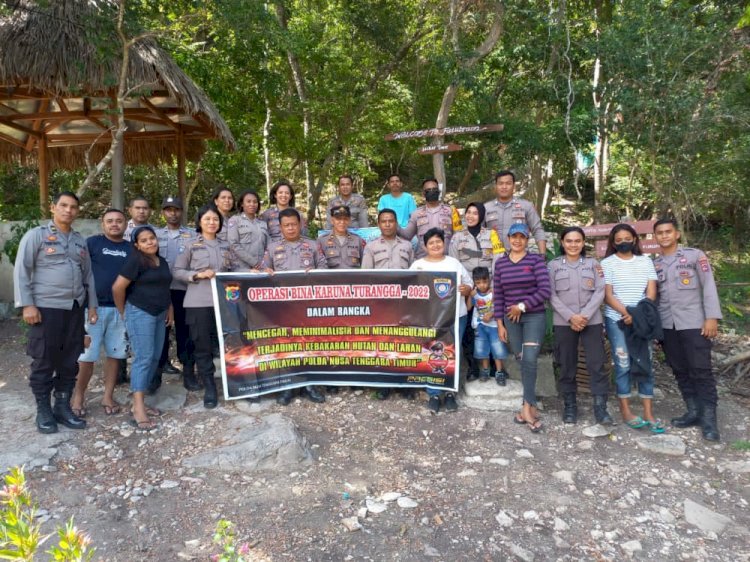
(52, 282)
(689, 308)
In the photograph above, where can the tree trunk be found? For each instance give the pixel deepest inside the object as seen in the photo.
(473, 164)
(267, 149)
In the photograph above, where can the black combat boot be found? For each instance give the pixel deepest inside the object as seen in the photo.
(570, 411)
(709, 426)
(285, 397)
(63, 414)
(314, 395)
(155, 383)
(210, 400)
(45, 419)
(692, 416)
(601, 415)
(188, 376)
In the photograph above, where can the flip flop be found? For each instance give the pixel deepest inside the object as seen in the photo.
(156, 412)
(148, 425)
(79, 412)
(637, 423)
(111, 410)
(536, 426)
(657, 427)
(518, 418)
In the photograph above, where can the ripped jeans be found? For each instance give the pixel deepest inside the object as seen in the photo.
(621, 360)
(525, 339)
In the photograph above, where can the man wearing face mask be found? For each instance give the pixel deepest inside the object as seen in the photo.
(433, 214)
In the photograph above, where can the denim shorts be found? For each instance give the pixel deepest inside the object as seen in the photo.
(109, 331)
(486, 340)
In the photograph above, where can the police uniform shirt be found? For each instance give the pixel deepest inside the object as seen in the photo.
(577, 288)
(388, 254)
(248, 238)
(343, 253)
(302, 254)
(271, 216)
(472, 252)
(499, 216)
(425, 218)
(357, 207)
(172, 243)
(199, 256)
(53, 269)
(687, 290)
(131, 226)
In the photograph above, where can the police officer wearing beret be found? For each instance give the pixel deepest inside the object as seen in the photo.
(53, 283)
(508, 209)
(354, 201)
(433, 214)
(294, 252)
(174, 239)
(343, 249)
(689, 307)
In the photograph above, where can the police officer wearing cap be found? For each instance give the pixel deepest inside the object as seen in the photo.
(343, 249)
(389, 251)
(174, 239)
(53, 283)
(433, 214)
(507, 209)
(690, 311)
(354, 201)
(292, 253)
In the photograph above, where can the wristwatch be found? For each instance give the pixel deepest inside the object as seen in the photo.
(521, 307)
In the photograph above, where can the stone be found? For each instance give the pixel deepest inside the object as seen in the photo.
(499, 460)
(585, 445)
(468, 473)
(531, 515)
(560, 525)
(406, 502)
(272, 442)
(352, 524)
(171, 396)
(595, 431)
(167, 484)
(738, 467)
(524, 454)
(565, 476)
(374, 506)
(670, 445)
(254, 408)
(666, 516)
(651, 481)
(362, 512)
(705, 519)
(631, 547)
(491, 397)
(522, 553)
(561, 543)
(545, 376)
(391, 496)
(431, 551)
(503, 519)
(475, 459)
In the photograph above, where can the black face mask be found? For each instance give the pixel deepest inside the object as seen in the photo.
(625, 247)
(431, 195)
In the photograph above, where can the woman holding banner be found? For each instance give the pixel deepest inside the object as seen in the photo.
(436, 260)
(521, 285)
(201, 261)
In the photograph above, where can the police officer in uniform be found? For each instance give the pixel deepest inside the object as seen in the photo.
(433, 214)
(356, 203)
(508, 209)
(139, 211)
(294, 252)
(52, 282)
(281, 197)
(689, 307)
(389, 251)
(577, 283)
(174, 239)
(343, 249)
(247, 233)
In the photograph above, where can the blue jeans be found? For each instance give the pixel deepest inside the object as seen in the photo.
(462, 321)
(525, 339)
(486, 340)
(621, 360)
(146, 333)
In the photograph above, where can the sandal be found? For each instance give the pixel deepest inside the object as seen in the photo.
(79, 412)
(637, 423)
(111, 410)
(155, 412)
(536, 426)
(657, 427)
(518, 418)
(147, 425)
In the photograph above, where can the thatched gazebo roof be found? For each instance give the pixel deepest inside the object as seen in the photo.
(59, 67)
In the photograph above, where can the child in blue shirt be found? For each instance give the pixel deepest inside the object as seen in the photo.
(486, 338)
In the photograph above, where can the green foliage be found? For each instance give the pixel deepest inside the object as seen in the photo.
(735, 300)
(10, 248)
(741, 445)
(20, 535)
(225, 538)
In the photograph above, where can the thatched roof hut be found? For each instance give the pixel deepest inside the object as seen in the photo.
(59, 67)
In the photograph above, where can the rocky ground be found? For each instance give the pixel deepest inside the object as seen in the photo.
(359, 479)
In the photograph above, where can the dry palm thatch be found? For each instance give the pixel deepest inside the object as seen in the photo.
(59, 65)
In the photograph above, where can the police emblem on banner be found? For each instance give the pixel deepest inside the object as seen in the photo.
(442, 286)
(232, 292)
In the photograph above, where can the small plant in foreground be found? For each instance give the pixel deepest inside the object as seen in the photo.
(225, 538)
(741, 445)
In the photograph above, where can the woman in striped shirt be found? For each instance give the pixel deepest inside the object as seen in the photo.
(521, 285)
(629, 278)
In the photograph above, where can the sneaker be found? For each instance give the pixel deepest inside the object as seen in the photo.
(450, 402)
(501, 377)
(434, 404)
(484, 375)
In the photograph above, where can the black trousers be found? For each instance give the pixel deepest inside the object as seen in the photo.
(566, 352)
(185, 347)
(55, 345)
(202, 324)
(689, 355)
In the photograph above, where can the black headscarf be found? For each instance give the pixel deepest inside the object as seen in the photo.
(474, 230)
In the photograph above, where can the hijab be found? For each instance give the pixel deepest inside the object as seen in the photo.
(474, 230)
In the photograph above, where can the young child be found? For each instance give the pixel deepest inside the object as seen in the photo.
(486, 338)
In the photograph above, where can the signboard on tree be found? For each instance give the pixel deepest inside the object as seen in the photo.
(440, 148)
(457, 130)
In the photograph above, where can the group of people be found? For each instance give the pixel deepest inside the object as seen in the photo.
(128, 287)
